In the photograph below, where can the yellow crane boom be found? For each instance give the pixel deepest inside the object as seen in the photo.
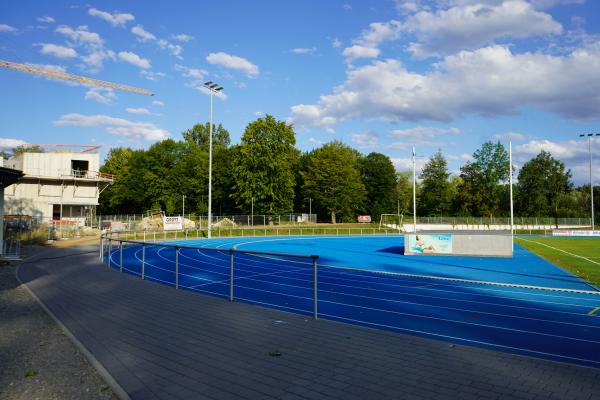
(73, 78)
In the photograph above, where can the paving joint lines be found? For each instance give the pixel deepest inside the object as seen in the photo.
(158, 342)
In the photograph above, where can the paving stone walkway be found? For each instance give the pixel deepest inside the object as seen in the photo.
(161, 343)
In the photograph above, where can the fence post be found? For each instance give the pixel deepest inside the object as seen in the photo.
(315, 288)
(101, 248)
(109, 252)
(176, 267)
(144, 235)
(121, 256)
(231, 274)
(143, 258)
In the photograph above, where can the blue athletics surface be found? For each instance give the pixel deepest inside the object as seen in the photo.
(368, 281)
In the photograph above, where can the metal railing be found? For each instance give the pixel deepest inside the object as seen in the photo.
(108, 246)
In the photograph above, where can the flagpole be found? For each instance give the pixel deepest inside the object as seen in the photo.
(512, 222)
(414, 192)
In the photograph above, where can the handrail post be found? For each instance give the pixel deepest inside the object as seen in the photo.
(231, 274)
(315, 288)
(109, 252)
(121, 256)
(143, 258)
(176, 267)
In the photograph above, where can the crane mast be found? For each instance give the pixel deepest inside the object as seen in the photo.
(70, 77)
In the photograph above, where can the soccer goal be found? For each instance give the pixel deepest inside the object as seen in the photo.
(393, 221)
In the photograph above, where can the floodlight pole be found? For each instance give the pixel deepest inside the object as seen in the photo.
(212, 88)
(510, 172)
(414, 191)
(590, 135)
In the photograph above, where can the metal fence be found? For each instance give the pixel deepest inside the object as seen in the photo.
(181, 277)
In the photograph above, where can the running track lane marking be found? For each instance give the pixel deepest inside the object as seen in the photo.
(593, 312)
(564, 251)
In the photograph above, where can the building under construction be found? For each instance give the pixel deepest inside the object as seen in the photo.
(60, 183)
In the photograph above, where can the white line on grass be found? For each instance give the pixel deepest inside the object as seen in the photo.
(564, 251)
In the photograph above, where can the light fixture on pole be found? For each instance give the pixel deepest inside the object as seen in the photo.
(589, 136)
(213, 88)
(414, 190)
(510, 180)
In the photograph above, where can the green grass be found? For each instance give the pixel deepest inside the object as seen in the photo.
(588, 269)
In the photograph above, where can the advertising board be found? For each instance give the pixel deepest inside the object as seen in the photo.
(172, 223)
(430, 244)
(364, 219)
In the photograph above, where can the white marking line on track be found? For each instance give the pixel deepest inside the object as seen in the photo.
(561, 250)
(460, 338)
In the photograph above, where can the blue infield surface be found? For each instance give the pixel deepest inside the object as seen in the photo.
(366, 280)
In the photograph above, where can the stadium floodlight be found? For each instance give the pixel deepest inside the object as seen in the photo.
(212, 88)
(590, 136)
(414, 160)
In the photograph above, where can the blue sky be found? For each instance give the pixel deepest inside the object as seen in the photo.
(380, 76)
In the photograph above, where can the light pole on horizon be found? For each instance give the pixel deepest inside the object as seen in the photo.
(589, 136)
(414, 159)
(213, 88)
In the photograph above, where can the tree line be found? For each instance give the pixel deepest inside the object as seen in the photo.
(268, 173)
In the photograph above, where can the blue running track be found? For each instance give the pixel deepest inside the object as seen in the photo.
(368, 281)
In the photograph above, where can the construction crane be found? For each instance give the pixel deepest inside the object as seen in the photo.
(70, 77)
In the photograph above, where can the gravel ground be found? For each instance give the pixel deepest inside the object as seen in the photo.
(37, 360)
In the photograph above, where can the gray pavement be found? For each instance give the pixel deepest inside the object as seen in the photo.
(161, 343)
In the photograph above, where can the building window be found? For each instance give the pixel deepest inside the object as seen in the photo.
(56, 212)
(79, 168)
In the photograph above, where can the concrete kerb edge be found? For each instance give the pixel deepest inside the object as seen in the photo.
(110, 380)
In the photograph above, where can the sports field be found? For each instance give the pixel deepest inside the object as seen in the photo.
(524, 305)
(580, 256)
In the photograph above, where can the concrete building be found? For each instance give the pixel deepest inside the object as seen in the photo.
(57, 184)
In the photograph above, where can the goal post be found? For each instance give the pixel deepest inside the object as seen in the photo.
(393, 221)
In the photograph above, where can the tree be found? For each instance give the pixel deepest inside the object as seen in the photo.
(331, 177)
(26, 149)
(543, 185)
(404, 192)
(480, 192)
(264, 167)
(379, 177)
(435, 190)
(200, 134)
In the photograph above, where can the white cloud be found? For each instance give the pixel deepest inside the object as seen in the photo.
(182, 37)
(116, 19)
(469, 26)
(490, 82)
(142, 34)
(315, 141)
(510, 136)
(367, 44)
(336, 43)
(175, 49)
(138, 111)
(195, 73)
(233, 62)
(95, 59)
(57, 51)
(134, 59)
(406, 164)
(152, 76)
(158, 103)
(425, 134)
(259, 113)
(367, 139)
(304, 50)
(81, 35)
(460, 157)
(46, 19)
(103, 96)
(355, 52)
(7, 28)
(8, 143)
(347, 7)
(115, 126)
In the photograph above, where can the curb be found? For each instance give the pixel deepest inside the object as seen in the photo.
(110, 380)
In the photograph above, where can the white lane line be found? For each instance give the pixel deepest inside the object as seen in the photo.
(561, 250)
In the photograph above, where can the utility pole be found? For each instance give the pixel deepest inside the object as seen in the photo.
(414, 190)
(589, 136)
(212, 88)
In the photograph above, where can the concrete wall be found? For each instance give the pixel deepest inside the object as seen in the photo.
(52, 164)
(466, 244)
